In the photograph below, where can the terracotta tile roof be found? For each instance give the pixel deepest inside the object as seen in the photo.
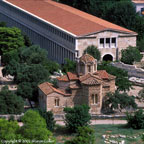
(72, 76)
(104, 75)
(70, 19)
(68, 77)
(63, 78)
(91, 81)
(47, 89)
(84, 77)
(87, 58)
(138, 1)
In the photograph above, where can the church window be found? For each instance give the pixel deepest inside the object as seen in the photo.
(57, 102)
(95, 67)
(89, 68)
(94, 98)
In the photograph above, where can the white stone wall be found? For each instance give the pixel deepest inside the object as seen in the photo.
(123, 41)
(138, 7)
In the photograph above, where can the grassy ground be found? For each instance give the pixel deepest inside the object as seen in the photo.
(62, 134)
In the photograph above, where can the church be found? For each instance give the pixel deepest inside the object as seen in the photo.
(87, 86)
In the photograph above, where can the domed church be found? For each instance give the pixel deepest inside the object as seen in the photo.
(87, 86)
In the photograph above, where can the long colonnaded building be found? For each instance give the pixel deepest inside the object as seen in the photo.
(63, 31)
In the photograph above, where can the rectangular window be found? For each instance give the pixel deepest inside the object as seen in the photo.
(95, 67)
(94, 98)
(56, 102)
(113, 42)
(107, 42)
(102, 42)
(89, 68)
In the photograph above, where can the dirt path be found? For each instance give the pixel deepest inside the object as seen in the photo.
(94, 122)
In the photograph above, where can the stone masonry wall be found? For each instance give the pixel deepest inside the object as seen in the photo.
(95, 108)
(51, 102)
(123, 41)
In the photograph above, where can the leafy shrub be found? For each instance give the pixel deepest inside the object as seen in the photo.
(143, 136)
(118, 101)
(130, 55)
(34, 127)
(48, 116)
(140, 45)
(85, 135)
(92, 50)
(122, 81)
(136, 121)
(69, 66)
(10, 103)
(76, 117)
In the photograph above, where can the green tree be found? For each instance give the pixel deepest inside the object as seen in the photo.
(34, 127)
(92, 50)
(32, 55)
(84, 135)
(9, 56)
(25, 90)
(122, 81)
(10, 103)
(76, 117)
(10, 39)
(118, 101)
(130, 55)
(140, 96)
(136, 120)
(2, 24)
(27, 41)
(48, 116)
(69, 66)
(140, 45)
(51, 66)
(9, 130)
(122, 13)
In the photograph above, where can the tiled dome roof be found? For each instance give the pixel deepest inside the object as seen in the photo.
(87, 58)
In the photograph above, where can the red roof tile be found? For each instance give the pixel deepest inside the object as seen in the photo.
(47, 89)
(63, 78)
(70, 19)
(87, 58)
(72, 76)
(104, 75)
(91, 81)
(138, 1)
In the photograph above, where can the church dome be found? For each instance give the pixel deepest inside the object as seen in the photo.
(86, 58)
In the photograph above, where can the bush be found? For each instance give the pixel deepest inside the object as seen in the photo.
(140, 45)
(130, 55)
(136, 121)
(122, 81)
(76, 117)
(85, 135)
(92, 50)
(69, 66)
(48, 116)
(10, 103)
(118, 101)
(34, 127)
(143, 136)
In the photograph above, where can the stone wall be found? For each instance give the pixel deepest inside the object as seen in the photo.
(132, 70)
(95, 108)
(51, 102)
(123, 41)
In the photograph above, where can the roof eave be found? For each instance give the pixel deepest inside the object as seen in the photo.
(115, 30)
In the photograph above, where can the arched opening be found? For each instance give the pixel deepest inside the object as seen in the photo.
(108, 57)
